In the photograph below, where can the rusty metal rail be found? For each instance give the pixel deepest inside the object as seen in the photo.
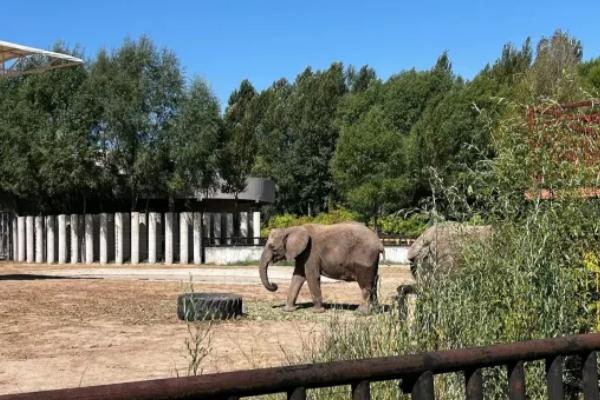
(416, 372)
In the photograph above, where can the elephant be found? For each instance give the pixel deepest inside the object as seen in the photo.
(344, 251)
(439, 248)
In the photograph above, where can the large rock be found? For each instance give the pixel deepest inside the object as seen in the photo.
(440, 248)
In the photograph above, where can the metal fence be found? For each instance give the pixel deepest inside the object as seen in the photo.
(4, 235)
(415, 372)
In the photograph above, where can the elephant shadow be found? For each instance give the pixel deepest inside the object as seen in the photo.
(34, 277)
(337, 306)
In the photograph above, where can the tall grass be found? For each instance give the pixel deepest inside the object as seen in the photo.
(528, 281)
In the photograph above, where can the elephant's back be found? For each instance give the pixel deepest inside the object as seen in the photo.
(350, 242)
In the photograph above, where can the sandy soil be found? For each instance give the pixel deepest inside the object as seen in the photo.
(57, 332)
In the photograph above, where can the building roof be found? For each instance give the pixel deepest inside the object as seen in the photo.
(11, 54)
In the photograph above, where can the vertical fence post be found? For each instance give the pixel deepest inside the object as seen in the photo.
(361, 391)
(473, 384)
(39, 239)
(298, 393)
(554, 383)
(421, 387)
(516, 381)
(152, 222)
(590, 376)
(49, 239)
(62, 238)
(74, 238)
(30, 239)
(197, 237)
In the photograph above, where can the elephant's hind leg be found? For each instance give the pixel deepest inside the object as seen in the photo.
(368, 287)
(295, 286)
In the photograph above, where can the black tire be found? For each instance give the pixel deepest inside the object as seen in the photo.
(208, 306)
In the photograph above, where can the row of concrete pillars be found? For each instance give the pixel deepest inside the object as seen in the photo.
(127, 237)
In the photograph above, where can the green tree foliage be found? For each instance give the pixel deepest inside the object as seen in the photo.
(240, 120)
(47, 159)
(554, 70)
(297, 138)
(138, 89)
(370, 166)
(196, 142)
(127, 126)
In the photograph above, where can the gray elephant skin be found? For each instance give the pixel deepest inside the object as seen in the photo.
(439, 249)
(347, 251)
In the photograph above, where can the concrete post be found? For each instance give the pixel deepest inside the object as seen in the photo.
(103, 238)
(62, 239)
(244, 225)
(39, 239)
(183, 238)
(74, 238)
(197, 238)
(152, 220)
(89, 238)
(49, 239)
(169, 237)
(15, 240)
(21, 239)
(206, 228)
(217, 228)
(30, 235)
(135, 238)
(119, 238)
(256, 227)
(229, 228)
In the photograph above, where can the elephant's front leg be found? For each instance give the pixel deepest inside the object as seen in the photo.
(298, 279)
(313, 277)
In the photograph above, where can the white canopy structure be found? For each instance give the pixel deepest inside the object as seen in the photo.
(11, 54)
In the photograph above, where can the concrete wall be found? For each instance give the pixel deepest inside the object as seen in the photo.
(28, 233)
(396, 255)
(232, 255)
(238, 254)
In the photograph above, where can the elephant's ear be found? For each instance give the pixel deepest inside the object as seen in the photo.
(296, 241)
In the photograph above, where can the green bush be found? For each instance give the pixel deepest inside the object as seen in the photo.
(532, 279)
(408, 228)
(288, 220)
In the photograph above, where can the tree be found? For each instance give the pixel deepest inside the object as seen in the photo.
(46, 157)
(361, 80)
(372, 164)
(240, 121)
(138, 89)
(368, 166)
(305, 179)
(554, 70)
(196, 142)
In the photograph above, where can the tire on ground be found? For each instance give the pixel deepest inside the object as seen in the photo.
(208, 306)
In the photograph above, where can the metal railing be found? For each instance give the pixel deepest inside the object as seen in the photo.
(395, 240)
(415, 371)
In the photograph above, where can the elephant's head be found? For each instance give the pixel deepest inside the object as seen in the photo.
(286, 243)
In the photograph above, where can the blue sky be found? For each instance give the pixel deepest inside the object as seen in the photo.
(227, 41)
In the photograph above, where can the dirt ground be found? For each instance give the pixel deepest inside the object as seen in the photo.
(58, 332)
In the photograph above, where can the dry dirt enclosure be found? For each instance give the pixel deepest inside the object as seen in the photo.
(60, 332)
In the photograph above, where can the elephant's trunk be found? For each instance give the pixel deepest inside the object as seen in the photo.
(265, 259)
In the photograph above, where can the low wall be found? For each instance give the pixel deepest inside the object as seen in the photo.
(243, 254)
(231, 255)
(396, 254)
